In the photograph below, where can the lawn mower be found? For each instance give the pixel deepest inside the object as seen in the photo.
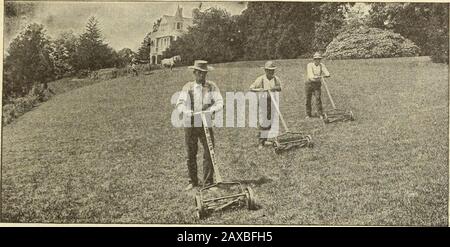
(335, 115)
(289, 140)
(221, 194)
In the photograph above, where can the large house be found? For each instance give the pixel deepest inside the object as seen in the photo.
(170, 28)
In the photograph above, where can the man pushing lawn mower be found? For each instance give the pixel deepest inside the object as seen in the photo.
(314, 73)
(264, 83)
(198, 101)
(199, 96)
(267, 84)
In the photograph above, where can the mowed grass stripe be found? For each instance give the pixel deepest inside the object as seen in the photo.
(108, 153)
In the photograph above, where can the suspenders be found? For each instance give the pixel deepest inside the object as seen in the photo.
(274, 79)
(191, 95)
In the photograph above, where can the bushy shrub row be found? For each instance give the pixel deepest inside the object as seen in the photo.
(14, 107)
(364, 42)
(18, 106)
(111, 73)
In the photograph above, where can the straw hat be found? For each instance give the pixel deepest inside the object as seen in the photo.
(201, 65)
(269, 65)
(317, 56)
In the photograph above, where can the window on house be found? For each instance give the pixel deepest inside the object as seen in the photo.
(179, 25)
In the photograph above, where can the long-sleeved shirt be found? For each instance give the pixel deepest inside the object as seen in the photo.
(312, 71)
(264, 83)
(197, 97)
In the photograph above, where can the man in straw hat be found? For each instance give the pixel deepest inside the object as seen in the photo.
(314, 71)
(264, 83)
(196, 96)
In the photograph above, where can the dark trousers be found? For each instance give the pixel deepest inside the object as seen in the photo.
(313, 88)
(192, 135)
(267, 125)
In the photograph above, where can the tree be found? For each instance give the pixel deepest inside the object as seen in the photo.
(64, 53)
(357, 16)
(110, 58)
(426, 24)
(288, 43)
(331, 20)
(92, 52)
(265, 30)
(125, 56)
(143, 52)
(265, 25)
(29, 61)
(212, 38)
(438, 37)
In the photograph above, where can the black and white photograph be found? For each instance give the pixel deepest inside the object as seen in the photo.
(259, 113)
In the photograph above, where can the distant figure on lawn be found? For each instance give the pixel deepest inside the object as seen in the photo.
(264, 83)
(314, 71)
(134, 70)
(196, 96)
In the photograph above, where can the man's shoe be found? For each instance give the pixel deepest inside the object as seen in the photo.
(268, 143)
(213, 189)
(190, 187)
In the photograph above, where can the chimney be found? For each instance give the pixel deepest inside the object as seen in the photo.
(179, 14)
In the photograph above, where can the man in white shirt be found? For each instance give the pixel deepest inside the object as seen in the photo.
(264, 83)
(313, 84)
(196, 96)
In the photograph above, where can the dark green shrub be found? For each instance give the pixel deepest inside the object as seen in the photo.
(19, 106)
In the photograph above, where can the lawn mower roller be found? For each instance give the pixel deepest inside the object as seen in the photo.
(289, 140)
(335, 115)
(221, 194)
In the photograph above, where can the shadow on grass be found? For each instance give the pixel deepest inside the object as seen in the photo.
(256, 182)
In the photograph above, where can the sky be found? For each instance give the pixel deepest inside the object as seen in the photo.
(123, 24)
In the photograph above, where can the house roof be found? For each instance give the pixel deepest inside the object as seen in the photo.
(170, 18)
(167, 20)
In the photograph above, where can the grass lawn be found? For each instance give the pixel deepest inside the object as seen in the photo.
(107, 152)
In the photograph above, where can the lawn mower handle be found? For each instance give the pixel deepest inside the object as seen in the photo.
(275, 104)
(200, 112)
(210, 146)
(328, 91)
(276, 107)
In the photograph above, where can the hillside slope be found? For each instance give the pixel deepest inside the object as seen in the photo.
(107, 153)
